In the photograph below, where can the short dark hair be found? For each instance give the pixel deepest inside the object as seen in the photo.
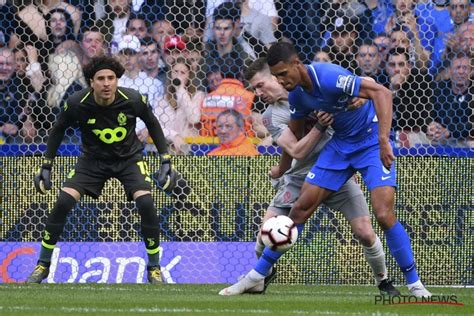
(94, 29)
(280, 52)
(147, 41)
(138, 16)
(257, 66)
(102, 62)
(367, 42)
(239, 120)
(227, 11)
(399, 51)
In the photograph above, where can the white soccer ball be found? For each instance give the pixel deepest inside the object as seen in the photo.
(279, 233)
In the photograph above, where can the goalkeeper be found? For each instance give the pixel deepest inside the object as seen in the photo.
(349, 200)
(106, 116)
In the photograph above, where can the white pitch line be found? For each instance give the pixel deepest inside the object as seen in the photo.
(164, 310)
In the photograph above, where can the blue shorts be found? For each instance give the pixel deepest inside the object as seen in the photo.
(340, 159)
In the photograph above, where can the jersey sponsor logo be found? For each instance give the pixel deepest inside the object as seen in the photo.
(109, 136)
(122, 119)
(91, 121)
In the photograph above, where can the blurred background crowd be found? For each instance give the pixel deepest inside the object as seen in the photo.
(188, 56)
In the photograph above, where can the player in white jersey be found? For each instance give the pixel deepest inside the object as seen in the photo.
(349, 199)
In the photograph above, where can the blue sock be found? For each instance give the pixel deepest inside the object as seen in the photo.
(270, 257)
(267, 260)
(398, 242)
(299, 227)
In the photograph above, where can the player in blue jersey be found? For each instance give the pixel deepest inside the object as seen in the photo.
(361, 142)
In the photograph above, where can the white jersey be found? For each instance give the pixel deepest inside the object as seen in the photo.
(276, 119)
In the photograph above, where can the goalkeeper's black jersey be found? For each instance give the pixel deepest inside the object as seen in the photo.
(107, 132)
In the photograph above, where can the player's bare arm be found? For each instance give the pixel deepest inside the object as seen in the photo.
(382, 98)
(299, 149)
(297, 128)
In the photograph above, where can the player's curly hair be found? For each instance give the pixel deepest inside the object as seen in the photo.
(100, 63)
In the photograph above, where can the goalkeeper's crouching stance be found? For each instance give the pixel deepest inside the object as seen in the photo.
(106, 116)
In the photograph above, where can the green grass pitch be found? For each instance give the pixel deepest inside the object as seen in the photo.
(144, 299)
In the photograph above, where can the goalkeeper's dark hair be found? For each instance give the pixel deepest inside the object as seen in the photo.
(101, 63)
(280, 52)
(259, 65)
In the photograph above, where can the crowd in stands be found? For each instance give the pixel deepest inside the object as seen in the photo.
(187, 58)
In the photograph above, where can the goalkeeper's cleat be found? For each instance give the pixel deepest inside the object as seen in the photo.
(269, 279)
(386, 288)
(40, 273)
(418, 289)
(154, 275)
(244, 285)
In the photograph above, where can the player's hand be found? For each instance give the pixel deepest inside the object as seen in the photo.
(324, 118)
(356, 103)
(43, 179)
(166, 177)
(276, 172)
(386, 154)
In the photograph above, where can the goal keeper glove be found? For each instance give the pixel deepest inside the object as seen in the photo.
(42, 180)
(166, 177)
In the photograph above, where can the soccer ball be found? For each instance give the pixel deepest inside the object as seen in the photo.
(279, 233)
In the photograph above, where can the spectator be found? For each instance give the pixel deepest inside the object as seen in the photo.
(405, 17)
(12, 100)
(133, 77)
(369, 62)
(66, 76)
(352, 11)
(322, 56)
(231, 94)
(461, 42)
(91, 44)
(255, 29)
(31, 28)
(231, 133)
(412, 101)
(150, 60)
(7, 16)
(225, 50)
(161, 30)
(213, 78)
(382, 41)
(343, 41)
(137, 25)
(452, 113)
(457, 13)
(114, 24)
(179, 111)
(60, 30)
(419, 56)
(174, 48)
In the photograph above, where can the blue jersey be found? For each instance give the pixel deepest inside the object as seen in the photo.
(333, 87)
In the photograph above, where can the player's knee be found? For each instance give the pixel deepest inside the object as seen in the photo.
(366, 238)
(362, 229)
(386, 218)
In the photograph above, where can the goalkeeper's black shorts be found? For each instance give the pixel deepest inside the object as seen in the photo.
(89, 175)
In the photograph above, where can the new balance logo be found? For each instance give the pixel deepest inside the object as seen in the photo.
(385, 178)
